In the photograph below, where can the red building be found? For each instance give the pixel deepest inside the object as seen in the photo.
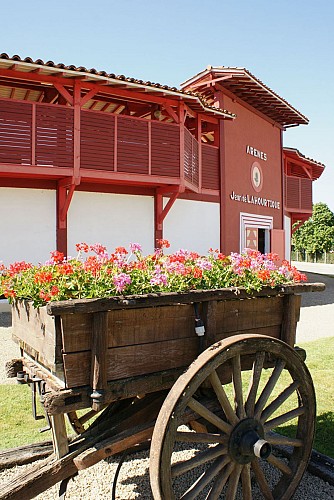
(86, 154)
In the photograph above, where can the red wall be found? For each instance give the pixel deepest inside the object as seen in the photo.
(249, 129)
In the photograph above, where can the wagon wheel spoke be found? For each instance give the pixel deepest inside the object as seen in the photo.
(200, 437)
(279, 464)
(261, 480)
(233, 482)
(278, 402)
(254, 383)
(222, 398)
(233, 454)
(265, 394)
(200, 459)
(246, 483)
(220, 482)
(207, 476)
(77, 423)
(237, 384)
(290, 415)
(209, 416)
(277, 439)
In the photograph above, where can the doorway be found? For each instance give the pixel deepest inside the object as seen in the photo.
(255, 232)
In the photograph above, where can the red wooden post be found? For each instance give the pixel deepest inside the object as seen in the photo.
(115, 143)
(76, 134)
(181, 122)
(61, 231)
(33, 135)
(158, 228)
(199, 140)
(222, 174)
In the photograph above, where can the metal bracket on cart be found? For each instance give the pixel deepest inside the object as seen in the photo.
(37, 386)
(199, 329)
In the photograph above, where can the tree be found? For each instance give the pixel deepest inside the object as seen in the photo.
(316, 235)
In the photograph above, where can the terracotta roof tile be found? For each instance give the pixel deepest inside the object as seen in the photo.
(241, 82)
(81, 69)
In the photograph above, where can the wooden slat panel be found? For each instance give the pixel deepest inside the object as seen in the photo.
(15, 132)
(97, 140)
(165, 149)
(292, 195)
(306, 194)
(210, 167)
(54, 136)
(191, 159)
(132, 145)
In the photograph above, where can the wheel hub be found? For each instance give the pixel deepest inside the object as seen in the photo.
(247, 442)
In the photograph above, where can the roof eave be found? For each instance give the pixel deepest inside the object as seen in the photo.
(237, 72)
(107, 80)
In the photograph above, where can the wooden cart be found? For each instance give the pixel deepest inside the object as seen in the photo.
(141, 374)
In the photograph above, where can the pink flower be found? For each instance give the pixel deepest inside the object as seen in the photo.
(135, 247)
(121, 280)
(159, 279)
(204, 264)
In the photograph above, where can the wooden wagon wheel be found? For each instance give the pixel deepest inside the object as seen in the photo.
(78, 422)
(237, 453)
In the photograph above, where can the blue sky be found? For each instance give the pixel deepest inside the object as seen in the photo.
(287, 44)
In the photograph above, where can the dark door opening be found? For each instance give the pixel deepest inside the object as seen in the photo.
(261, 240)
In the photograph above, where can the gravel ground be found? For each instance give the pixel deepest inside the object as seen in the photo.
(96, 482)
(133, 482)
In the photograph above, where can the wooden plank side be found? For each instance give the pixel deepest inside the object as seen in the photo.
(171, 298)
(130, 327)
(290, 318)
(134, 360)
(35, 329)
(271, 331)
(240, 315)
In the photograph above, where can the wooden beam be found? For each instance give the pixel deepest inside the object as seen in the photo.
(76, 132)
(199, 140)
(172, 113)
(88, 96)
(99, 359)
(181, 135)
(66, 204)
(18, 170)
(170, 203)
(59, 434)
(158, 227)
(116, 444)
(67, 96)
(209, 83)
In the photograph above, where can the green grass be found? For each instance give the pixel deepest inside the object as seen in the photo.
(320, 362)
(17, 426)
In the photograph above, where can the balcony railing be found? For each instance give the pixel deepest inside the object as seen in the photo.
(43, 135)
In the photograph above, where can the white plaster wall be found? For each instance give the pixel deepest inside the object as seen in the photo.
(112, 220)
(27, 224)
(193, 225)
(287, 229)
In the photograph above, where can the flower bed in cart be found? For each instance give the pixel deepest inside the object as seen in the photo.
(96, 274)
(103, 317)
